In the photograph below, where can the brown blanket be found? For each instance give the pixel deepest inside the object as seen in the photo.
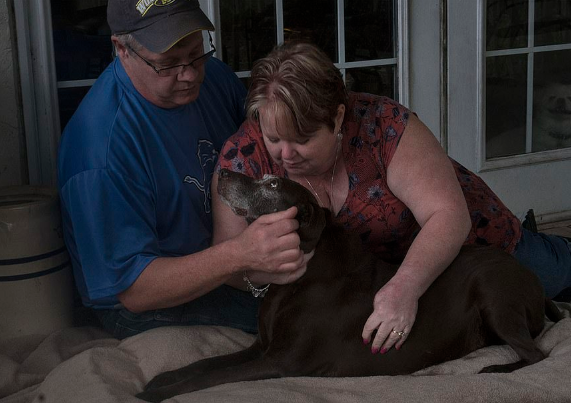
(86, 365)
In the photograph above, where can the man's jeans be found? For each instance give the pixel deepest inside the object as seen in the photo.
(223, 306)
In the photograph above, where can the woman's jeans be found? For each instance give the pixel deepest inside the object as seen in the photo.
(223, 306)
(549, 257)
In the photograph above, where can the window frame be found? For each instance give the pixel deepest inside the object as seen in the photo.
(401, 61)
(39, 83)
(530, 158)
(38, 88)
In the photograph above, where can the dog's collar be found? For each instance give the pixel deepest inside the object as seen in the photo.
(256, 292)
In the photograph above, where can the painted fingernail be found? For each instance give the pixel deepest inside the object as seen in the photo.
(365, 341)
(383, 350)
(375, 350)
(398, 347)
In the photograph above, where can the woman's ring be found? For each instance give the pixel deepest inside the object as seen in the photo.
(400, 334)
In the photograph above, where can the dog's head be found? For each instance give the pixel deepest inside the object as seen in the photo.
(252, 198)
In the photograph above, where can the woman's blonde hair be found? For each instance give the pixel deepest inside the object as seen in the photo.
(302, 83)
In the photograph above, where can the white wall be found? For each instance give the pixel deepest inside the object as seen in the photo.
(425, 64)
(13, 170)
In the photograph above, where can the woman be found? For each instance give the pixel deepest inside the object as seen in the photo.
(382, 174)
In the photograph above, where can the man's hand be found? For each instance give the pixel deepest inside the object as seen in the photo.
(286, 277)
(271, 244)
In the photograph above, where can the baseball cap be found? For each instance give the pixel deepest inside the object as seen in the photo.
(157, 24)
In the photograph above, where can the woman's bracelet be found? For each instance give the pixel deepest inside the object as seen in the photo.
(256, 292)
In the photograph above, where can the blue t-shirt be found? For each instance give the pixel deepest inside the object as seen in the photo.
(134, 178)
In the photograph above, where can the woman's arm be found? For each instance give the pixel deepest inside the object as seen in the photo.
(422, 177)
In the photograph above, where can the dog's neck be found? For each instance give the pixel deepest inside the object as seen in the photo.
(312, 220)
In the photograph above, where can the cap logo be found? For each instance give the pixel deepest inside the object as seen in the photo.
(145, 5)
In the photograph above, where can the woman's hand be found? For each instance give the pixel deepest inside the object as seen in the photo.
(394, 313)
(422, 177)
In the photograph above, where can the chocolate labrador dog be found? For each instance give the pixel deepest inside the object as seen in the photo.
(313, 326)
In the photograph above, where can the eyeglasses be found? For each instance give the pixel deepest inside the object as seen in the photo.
(179, 68)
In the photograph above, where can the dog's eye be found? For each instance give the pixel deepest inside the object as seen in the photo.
(274, 183)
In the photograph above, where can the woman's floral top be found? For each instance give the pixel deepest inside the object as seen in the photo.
(372, 129)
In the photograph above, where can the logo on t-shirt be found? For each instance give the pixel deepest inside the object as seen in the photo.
(207, 157)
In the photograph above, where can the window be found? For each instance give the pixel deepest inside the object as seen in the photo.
(82, 49)
(528, 85)
(360, 37)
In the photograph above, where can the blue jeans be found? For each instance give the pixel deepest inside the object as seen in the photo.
(549, 257)
(223, 306)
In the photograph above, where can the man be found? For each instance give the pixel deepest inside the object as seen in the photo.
(134, 171)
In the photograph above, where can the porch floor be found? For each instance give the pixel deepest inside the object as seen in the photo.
(562, 228)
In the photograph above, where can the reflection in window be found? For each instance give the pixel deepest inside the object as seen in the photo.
(314, 21)
(378, 80)
(365, 51)
(552, 22)
(249, 31)
(69, 99)
(506, 24)
(369, 30)
(552, 101)
(82, 49)
(82, 43)
(506, 106)
(528, 85)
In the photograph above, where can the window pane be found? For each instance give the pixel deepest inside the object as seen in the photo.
(506, 26)
(369, 30)
(314, 20)
(552, 22)
(378, 80)
(246, 81)
(552, 100)
(248, 31)
(506, 94)
(81, 38)
(69, 99)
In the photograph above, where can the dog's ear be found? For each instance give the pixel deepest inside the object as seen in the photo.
(312, 220)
